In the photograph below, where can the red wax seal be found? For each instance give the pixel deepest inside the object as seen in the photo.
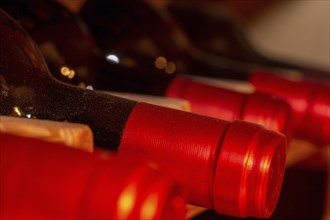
(222, 103)
(309, 100)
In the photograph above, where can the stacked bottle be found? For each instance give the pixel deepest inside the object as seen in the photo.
(46, 180)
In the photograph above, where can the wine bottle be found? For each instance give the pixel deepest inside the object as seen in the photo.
(310, 102)
(200, 148)
(115, 25)
(40, 179)
(151, 79)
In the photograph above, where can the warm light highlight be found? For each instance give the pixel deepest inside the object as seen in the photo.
(17, 111)
(65, 71)
(161, 62)
(170, 68)
(322, 110)
(248, 161)
(126, 201)
(150, 206)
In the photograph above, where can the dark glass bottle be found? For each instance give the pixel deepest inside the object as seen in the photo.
(27, 88)
(190, 142)
(42, 180)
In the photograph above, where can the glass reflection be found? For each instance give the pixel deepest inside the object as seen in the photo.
(66, 71)
(18, 111)
(112, 58)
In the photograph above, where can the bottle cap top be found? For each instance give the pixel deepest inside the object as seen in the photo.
(249, 171)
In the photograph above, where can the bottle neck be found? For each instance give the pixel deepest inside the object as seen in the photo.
(105, 114)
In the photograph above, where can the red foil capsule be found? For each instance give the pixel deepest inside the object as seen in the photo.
(235, 168)
(222, 103)
(310, 102)
(50, 181)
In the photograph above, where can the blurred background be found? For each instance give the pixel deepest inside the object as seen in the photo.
(295, 31)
